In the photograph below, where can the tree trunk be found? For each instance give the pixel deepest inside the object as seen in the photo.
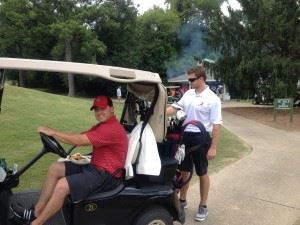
(21, 79)
(71, 80)
(21, 72)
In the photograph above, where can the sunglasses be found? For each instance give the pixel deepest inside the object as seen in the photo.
(193, 79)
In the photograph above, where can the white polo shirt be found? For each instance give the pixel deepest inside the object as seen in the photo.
(204, 107)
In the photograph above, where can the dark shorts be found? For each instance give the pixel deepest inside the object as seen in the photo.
(197, 157)
(84, 180)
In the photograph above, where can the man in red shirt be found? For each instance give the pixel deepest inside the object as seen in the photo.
(110, 145)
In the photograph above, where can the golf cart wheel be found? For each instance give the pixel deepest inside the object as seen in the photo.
(154, 216)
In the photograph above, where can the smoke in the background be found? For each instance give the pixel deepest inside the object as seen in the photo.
(193, 50)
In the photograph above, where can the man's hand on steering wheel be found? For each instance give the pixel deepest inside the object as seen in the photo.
(52, 145)
(46, 130)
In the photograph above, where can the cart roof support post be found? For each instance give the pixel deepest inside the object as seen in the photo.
(2, 79)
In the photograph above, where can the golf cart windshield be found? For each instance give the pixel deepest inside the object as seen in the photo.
(146, 98)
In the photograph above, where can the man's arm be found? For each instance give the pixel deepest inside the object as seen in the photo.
(171, 110)
(212, 152)
(71, 139)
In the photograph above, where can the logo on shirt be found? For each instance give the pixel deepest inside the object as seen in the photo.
(91, 207)
(201, 104)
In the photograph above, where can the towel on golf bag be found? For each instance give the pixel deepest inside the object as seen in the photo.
(147, 160)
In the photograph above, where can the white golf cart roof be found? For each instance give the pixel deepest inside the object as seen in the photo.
(112, 73)
(142, 83)
(173, 87)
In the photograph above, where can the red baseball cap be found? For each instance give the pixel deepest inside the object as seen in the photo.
(102, 101)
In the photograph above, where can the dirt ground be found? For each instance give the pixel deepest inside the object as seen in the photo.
(264, 115)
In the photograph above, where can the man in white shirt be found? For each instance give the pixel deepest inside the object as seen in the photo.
(199, 103)
(119, 93)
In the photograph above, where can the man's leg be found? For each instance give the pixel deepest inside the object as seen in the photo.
(55, 202)
(184, 189)
(201, 164)
(204, 189)
(55, 172)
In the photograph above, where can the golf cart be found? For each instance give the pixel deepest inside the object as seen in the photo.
(297, 98)
(140, 199)
(174, 94)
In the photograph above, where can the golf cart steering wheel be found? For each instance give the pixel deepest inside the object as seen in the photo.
(52, 145)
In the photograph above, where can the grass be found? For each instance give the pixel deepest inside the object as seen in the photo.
(230, 149)
(23, 110)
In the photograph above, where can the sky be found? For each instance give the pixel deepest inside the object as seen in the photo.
(233, 3)
(147, 4)
(144, 5)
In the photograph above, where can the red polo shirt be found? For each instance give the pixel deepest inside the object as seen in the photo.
(110, 145)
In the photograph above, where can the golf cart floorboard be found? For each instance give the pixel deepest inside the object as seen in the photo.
(29, 198)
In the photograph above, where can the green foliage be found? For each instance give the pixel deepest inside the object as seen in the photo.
(194, 20)
(191, 9)
(115, 24)
(16, 22)
(280, 89)
(260, 41)
(34, 29)
(157, 39)
(105, 32)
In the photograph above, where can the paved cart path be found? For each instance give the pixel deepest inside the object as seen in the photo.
(261, 189)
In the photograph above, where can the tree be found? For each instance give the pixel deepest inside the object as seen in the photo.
(34, 28)
(115, 23)
(259, 42)
(195, 17)
(17, 20)
(157, 39)
(73, 33)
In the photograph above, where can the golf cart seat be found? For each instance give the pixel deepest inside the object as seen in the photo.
(106, 194)
(166, 176)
